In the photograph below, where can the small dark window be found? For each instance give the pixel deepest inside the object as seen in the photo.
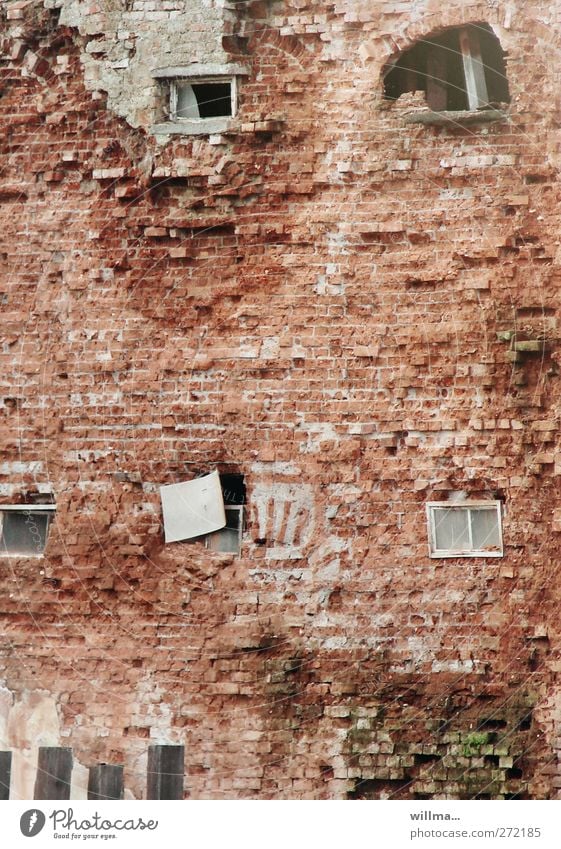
(233, 489)
(460, 69)
(24, 532)
(213, 99)
(195, 101)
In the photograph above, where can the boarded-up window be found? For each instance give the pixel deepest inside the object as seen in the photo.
(209, 508)
(193, 508)
(470, 529)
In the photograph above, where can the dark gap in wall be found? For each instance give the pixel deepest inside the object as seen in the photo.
(526, 722)
(371, 788)
(425, 759)
(434, 65)
(233, 488)
(515, 772)
(491, 723)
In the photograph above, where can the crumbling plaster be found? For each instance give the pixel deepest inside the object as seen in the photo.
(29, 720)
(125, 40)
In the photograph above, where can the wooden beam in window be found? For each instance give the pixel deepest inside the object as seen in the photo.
(474, 71)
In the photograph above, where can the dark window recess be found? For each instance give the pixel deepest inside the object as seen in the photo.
(233, 489)
(460, 69)
(24, 532)
(204, 100)
(214, 99)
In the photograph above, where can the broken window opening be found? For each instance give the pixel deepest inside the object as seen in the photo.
(24, 529)
(208, 509)
(462, 69)
(233, 488)
(470, 529)
(204, 99)
(199, 98)
(229, 538)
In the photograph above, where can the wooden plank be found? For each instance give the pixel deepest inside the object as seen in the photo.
(474, 71)
(54, 771)
(5, 774)
(166, 766)
(105, 781)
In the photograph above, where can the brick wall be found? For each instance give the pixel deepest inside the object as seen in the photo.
(323, 298)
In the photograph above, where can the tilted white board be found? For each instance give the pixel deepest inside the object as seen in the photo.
(192, 508)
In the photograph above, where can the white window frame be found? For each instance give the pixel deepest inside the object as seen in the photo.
(467, 506)
(197, 72)
(27, 509)
(178, 81)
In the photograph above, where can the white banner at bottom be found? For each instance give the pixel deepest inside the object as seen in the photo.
(288, 824)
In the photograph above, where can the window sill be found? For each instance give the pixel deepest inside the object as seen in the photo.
(21, 556)
(454, 119)
(437, 555)
(204, 127)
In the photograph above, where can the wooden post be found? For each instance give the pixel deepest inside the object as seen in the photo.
(5, 773)
(54, 770)
(166, 766)
(105, 781)
(476, 86)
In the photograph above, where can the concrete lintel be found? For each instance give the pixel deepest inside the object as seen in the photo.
(204, 127)
(200, 69)
(461, 118)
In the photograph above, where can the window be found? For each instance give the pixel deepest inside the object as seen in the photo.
(469, 529)
(460, 69)
(212, 98)
(208, 509)
(24, 529)
(199, 98)
(229, 538)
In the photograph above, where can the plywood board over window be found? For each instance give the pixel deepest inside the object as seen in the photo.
(193, 508)
(208, 509)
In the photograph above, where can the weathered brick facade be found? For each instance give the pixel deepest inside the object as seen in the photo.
(327, 299)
